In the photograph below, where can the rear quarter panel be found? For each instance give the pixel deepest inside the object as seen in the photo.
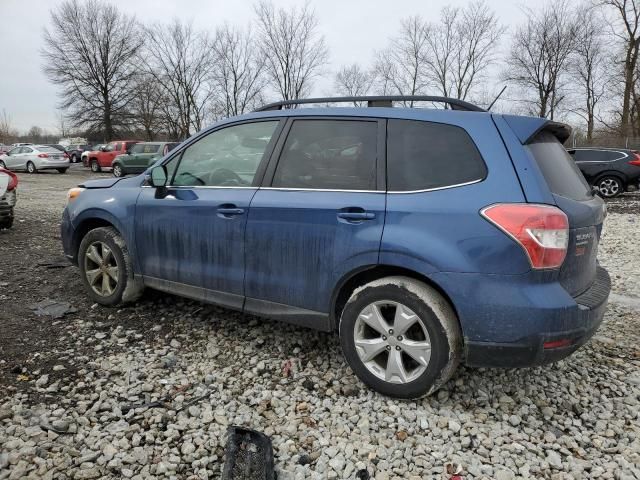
(443, 230)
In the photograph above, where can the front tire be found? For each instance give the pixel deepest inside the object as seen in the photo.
(95, 166)
(118, 171)
(106, 268)
(62, 170)
(400, 337)
(31, 168)
(610, 186)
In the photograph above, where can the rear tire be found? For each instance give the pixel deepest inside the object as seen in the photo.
(104, 254)
(62, 170)
(610, 186)
(74, 158)
(413, 350)
(95, 166)
(2, 165)
(6, 223)
(31, 168)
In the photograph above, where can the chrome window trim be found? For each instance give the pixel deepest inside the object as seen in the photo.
(291, 189)
(438, 188)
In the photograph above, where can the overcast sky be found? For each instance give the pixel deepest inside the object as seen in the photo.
(353, 30)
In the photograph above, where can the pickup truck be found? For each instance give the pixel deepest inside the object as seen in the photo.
(103, 158)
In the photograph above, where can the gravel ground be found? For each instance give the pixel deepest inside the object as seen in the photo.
(72, 389)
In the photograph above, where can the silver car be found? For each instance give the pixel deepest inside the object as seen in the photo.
(33, 158)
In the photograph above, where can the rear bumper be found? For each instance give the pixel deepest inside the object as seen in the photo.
(7, 202)
(52, 164)
(511, 330)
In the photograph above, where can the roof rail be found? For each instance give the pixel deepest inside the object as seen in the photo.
(377, 101)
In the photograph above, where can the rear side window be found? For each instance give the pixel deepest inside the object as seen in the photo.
(558, 168)
(329, 155)
(426, 155)
(597, 155)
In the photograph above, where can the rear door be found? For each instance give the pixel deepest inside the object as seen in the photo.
(319, 216)
(573, 196)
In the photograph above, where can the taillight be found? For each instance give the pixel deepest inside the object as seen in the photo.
(13, 179)
(636, 160)
(43, 155)
(541, 230)
(66, 155)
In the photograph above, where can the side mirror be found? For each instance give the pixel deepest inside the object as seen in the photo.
(158, 177)
(103, 149)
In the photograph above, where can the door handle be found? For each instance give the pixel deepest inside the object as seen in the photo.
(228, 211)
(355, 215)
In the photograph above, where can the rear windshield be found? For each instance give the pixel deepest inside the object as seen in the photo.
(47, 149)
(558, 168)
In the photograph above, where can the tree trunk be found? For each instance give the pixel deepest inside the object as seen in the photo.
(108, 125)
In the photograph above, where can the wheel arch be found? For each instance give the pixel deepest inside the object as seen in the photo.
(611, 173)
(363, 275)
(85, 226)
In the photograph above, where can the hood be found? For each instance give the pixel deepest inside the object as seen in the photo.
(100, 183)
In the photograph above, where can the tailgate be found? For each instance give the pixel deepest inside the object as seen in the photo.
(585, 211)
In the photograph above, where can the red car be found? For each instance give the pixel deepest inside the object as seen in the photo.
(99, 159)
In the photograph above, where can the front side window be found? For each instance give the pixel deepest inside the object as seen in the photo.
(110, 147)
(329, 155)
(228, 157)
(426, 155)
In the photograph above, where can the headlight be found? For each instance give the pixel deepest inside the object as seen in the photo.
(73, 194)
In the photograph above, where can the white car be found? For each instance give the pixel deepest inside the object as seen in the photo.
(33, 158)
(8, 197)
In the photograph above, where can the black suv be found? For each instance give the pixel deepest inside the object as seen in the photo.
(611, 170)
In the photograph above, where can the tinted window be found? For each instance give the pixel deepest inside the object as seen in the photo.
(425, 155)
(559, 170)
(139, 148)
(226, 157)
(48, 149)
(597, 155)
(329, 154)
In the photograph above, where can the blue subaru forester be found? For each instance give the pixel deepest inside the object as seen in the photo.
(425, 237)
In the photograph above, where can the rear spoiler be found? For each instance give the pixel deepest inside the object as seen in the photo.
(526, 128)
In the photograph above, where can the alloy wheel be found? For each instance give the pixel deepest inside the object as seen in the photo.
(609, 187)
(392, 342)
(101, 269)
(31, 168)
(117, 171)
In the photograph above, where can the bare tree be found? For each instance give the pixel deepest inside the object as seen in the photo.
(590, 66)
(239, 71)
(353, 81)
(473, 40)
(401, 69)
(627, 17)
(180, 60)
(539, 55)
(147, 105)
(292, 48)
(92, 63)
(6, 130)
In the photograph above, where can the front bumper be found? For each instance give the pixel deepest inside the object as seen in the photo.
(507, 323)
(66, 234)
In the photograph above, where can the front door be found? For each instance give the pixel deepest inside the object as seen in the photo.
(320, 217)
(190, 239)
